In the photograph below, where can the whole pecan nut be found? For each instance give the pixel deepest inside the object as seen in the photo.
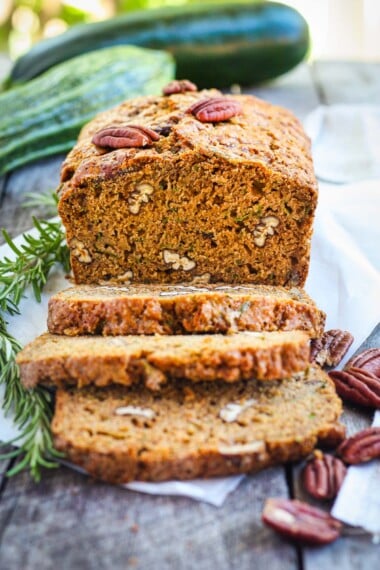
(179, 86)
(358, 386)
(125, 136)
(323, 476)
(215, 109)
(369, 360)
(329, 349)
(362, 447)
(301, 522)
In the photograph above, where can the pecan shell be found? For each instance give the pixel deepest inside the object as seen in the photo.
(215, 109)
(358, 386)
(125, 136)
(369, 360)
(301, 522)
(323, 476)
(179, 86)
(329, 349)
(362, 447)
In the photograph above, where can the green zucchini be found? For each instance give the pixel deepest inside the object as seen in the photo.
(213, 45)
(44, 116)
(65, 76)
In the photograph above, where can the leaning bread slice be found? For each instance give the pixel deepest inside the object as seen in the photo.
(122, 434)
(63, 360)
(181, 309)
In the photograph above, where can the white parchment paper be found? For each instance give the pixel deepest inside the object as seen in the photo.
(344, 274)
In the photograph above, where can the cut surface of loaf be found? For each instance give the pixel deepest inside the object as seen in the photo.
(180, 309)
(63, 360)
(122, 434)
(229, 201)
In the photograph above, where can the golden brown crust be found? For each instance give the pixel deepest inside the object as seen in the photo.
(232, 202)
(185, 437)
(181, 309)
(63, 360)
(265, 134)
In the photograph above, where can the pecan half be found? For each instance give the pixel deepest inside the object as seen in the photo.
(179, 86)
(301, 522)
(362, 447)
(323, 476)
(358, 386)
(329, 349)
(214, 109)
(127, 136)
(369, 360)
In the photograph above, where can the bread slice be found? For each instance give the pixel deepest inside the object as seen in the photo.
(181, 309)
(64, 360)
(122, 434)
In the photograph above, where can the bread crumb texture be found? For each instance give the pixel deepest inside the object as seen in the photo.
(183, 432)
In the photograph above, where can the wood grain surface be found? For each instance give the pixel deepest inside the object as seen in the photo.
(68, 521)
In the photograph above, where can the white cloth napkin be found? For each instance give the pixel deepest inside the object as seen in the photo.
(344, 274)
(346, 144)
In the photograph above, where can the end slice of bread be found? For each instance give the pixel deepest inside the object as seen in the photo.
(121, 434)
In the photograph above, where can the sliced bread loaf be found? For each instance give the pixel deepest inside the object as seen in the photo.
(180, 309)
(64, 360)
(122, 434)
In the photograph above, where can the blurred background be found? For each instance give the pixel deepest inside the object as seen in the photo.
(340, 29)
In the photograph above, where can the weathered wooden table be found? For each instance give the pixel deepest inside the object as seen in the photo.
(68, 521)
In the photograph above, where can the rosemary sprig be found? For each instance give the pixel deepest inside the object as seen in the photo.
(32, 412)
(32, 264)
(32, 409)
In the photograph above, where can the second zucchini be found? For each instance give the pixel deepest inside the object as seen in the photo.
(44, 116)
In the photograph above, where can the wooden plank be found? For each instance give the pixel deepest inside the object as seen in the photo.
(41, 176)
(73, 522)
(3, 183)
(5, 464)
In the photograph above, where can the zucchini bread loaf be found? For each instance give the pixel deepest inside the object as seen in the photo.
(122, 434)
(64, 360)
(190, 187)
(178, 309)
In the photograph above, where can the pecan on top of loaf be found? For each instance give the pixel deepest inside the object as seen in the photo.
(125, 136)
(215, 109)
(179, 86)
